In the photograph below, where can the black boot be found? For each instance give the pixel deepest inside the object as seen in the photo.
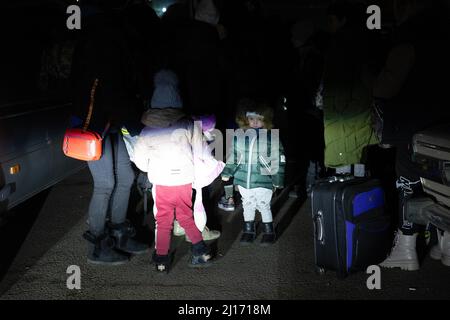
(201, 255)
(249, 234)
(269, 235)
(123, 234)
(101, 250)
(162, 263)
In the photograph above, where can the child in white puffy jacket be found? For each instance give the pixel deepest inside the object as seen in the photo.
(167, 149)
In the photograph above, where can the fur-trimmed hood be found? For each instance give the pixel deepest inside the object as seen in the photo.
(248, 105)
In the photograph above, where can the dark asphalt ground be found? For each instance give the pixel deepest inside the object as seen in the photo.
(43, 239)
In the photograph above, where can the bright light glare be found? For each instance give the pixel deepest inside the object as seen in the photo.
(164, 9)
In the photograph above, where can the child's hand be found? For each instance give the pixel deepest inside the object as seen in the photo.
(276, 190)
(225, 179)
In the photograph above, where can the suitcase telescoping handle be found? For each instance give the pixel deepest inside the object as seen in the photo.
(318, 227)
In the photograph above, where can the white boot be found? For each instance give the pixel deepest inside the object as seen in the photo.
(403, 254)
(177, 229)
(207, 235)
(446, 249)
(436, 250)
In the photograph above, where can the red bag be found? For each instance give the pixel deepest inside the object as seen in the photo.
(83, 144)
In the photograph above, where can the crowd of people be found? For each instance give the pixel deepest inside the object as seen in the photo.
(227, 61)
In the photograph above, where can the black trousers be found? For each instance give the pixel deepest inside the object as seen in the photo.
(408, 185)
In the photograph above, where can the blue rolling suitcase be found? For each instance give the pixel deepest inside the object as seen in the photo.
(351, 229)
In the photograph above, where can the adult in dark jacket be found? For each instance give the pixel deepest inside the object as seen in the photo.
(192, 48)
(303, 105)
(146, 31)
(416, 99)
(257, 50)
(106, 52)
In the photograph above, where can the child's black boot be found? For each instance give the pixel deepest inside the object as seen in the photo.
(162, 262)
(249, 233)
(201, 255)
(269, 235)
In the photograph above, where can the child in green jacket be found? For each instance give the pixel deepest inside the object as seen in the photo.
(257, 165)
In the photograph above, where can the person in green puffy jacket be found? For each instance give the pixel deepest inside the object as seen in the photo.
(346, 100)
(257, 163)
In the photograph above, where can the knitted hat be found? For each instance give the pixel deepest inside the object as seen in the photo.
(166, 94)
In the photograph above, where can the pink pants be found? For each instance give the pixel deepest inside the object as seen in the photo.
(171, 202)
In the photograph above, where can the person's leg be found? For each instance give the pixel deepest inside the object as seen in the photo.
(248, 203)
(101, 246)
(407, 189)
(436, 250)
(408, 186)
(209, 206)
(229, 190)
(163, 210)
(119, 228)
(227, 202)
(124, 180)
(164, 206)
(264, 197)
(184, 213)
(296, 175)
(404, 254)
(249, 206)
(103, 176)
